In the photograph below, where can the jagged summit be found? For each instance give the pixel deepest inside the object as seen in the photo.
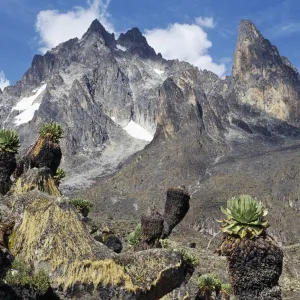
(265, 79)
(134, 41)
(248, 31)
(97, 28)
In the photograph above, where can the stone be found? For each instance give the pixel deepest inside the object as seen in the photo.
(113, 243)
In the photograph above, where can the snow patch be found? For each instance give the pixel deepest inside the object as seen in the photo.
(121, 47)
(27, 114)
(27, 107)
(138, 132)
(158, 71)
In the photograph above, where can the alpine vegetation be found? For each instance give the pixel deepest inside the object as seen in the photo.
(254, 259)
(46, 152)
(9, 146)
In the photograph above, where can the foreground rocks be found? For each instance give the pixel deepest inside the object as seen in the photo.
(49, 235)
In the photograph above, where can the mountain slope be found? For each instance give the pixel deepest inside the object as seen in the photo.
(214, 141)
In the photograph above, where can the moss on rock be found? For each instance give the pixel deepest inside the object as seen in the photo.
(51, 236)
(39, 179)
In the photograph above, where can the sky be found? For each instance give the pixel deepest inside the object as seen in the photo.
(202, 32)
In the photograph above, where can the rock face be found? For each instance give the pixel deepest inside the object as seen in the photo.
(265, 79)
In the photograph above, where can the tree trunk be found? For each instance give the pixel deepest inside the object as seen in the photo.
(255, 266)
(176, 207)
(45, 153)
(7, 167)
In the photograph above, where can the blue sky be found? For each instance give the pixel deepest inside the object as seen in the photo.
(203, 32)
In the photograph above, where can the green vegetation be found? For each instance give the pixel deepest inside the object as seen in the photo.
(22, 275)
(226, 289)
(9, 141)
(165, 243)
(189, 259)
(83, 206)
(245, 217)
(209, 283)
(59, 175)
(52, 131)
(135, 236)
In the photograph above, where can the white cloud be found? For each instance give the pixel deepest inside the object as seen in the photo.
(206, 22)
(187, 42)
(3, 81)
(55, 27)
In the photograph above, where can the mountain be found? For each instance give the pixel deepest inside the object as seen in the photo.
(136, 124)
(92, 87)
(213, 139)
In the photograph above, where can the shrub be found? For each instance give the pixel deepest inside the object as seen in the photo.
(209, 283)
(135, 236)
(9, 141)
(165, 243)
(83, 206)
(52, 131)
(189, 258)
(59, 175)
(226, 289)
(22, 275)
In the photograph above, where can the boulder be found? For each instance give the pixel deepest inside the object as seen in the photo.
(50, 235)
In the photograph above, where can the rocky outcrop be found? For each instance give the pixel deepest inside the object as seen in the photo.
(264, 79)
(50, 235)
(135, 43)
(36, 179)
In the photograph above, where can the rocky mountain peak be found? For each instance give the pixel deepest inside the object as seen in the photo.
(258, 68)
(134, 41)
(248, 32)
(97, 28)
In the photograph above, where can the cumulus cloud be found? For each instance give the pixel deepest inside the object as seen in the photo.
(3, 81)
(55, 27)
(187, 42)
(207, 22)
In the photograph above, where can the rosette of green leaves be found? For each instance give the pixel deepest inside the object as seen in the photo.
(9, 141)
(52, 131)
(60, 174)
(245, 217)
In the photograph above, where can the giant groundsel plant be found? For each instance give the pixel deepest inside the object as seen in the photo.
(245, 217)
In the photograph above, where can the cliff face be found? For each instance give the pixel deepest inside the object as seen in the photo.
(263, 78)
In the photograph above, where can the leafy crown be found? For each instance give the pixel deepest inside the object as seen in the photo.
(9, 141)
(52, 131)
(245, 217)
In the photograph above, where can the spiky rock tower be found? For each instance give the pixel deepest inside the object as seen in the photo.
(9, 145)
(254, 259)
(46, 152)
(176, 207)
